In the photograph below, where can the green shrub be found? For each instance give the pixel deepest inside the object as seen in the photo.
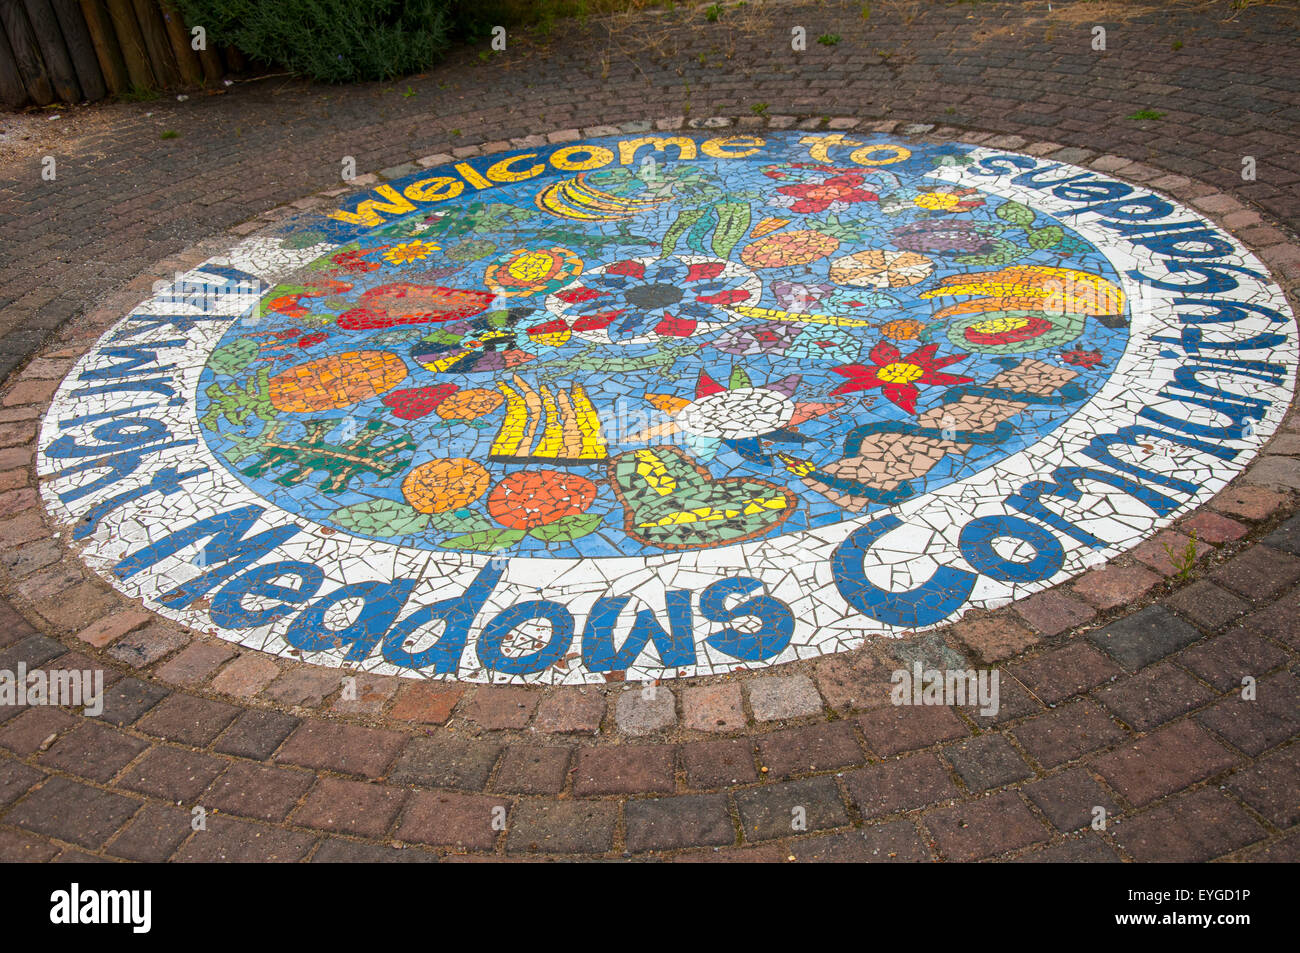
(335, 41)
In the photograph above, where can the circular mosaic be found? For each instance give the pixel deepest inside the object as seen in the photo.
(666, 404)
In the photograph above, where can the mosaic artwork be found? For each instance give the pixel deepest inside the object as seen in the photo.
(663, 405)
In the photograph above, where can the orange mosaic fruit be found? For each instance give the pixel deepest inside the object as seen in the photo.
(788, 248)
(339, 380)
(537, 497)
(469, 404)
(445, 484)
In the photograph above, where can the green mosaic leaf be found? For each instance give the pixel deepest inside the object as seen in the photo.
(568, 527)
(381, 518)
(233, 357)
(1016, 214)
(236, 403)
(851, 231)
(340, 462)
(679, 228)
(1049, 237)
(705, 224)
(464, 524)
(733, 222)
(1070, 245)
(671, 501)
(485, 542)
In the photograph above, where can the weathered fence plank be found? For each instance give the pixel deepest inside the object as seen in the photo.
(107, 48)
(186, 59)
(12, 91)
(27, 53)
(132, 43)
(80, 48)
(63, 77)
(161, 56)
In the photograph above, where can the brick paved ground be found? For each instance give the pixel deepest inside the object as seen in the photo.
(1120, 690)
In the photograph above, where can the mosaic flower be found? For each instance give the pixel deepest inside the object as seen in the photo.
(735, 416)
(641, 300)
(899, 378)
(834, 194)
(410, 251)
(948, 200)
(526, 271)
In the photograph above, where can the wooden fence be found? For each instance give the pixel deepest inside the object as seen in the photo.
(72, 51)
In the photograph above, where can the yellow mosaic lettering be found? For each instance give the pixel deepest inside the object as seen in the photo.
(472, 175)
(501, 171)
(597, 157)
(368, 212)
(820, 146)
(437, 189)
(733, 147)
(628, 148)
(895, 154)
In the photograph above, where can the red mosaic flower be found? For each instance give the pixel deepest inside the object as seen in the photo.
(817, 197)
(898, 377)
